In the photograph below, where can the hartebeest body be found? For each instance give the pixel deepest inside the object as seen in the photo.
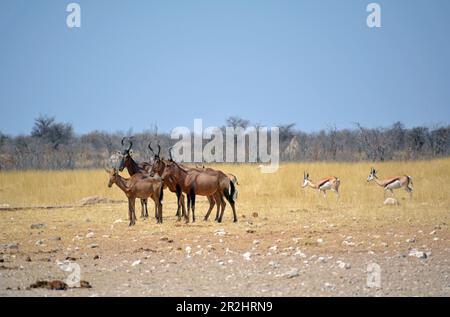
(391, 183)
(133, 168)
(330, 183)
(138, 186)
(204, 183)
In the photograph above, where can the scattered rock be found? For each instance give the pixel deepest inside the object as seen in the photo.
(39, 243)
(10, 246)
(391, 202)
(220, 232)
(137, 262)
(118, 221)
(90, 235)
(255, 215)
(92, 246)
(274, 264)
(28, 259)
(38, 226)
(53, 285)
(343, 265)
(292, 273)
(320, 240)
(96, 257)
(85, 284)
(250, 231)
(247, 256)
(92, 200)
(418, 254)
(412, 240)
(54, 239)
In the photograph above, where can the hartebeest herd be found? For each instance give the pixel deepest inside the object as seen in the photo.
(149, 179)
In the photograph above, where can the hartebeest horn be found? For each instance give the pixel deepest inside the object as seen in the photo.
(170, 154)
(159, 149)
(150, 148)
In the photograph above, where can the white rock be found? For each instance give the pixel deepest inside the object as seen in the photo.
(273, 248)
(90, 235)
(320, 240)
(137, 262)
(391, 202)
(418, 254)
(118, 221)
(292, 273)
(220, 232)
(256, 242)
(247, 256)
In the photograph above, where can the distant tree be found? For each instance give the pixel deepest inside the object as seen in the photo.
(52, 132)
(235, 121)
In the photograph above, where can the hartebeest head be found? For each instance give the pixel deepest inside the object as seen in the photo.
(112, 176)
(126, 153)
(372, 175)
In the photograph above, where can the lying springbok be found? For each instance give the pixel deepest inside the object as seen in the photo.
(322, 185)
(138, 186)
(389, 184)
(133, 168)
(200, 182)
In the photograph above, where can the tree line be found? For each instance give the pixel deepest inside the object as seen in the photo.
(54, 145)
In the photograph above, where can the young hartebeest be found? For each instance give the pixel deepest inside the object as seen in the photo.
(204, 183)
(138, 186)
(323, 185)
(391, 183)
(133, 168)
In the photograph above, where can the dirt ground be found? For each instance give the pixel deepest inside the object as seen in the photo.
(325, 251)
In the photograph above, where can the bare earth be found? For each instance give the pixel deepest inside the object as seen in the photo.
(304, 252)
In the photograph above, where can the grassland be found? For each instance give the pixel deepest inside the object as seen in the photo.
(287, 216)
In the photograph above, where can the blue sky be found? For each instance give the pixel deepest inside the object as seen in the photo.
(134, 63)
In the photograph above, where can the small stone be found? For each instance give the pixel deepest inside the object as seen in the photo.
(391, 202)
(418, 254)
(255, 215)
(96, 257)
(38, 226)
(90, 235)
(92, 245)
(247, 256)
(320, 240)
(137, 262)
(292, 273)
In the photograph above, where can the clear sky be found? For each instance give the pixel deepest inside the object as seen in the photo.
(311, 62)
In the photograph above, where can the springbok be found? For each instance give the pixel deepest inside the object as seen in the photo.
(322, 185)
(391, 183)
(133, 168)
(204, 183)
(138, 186)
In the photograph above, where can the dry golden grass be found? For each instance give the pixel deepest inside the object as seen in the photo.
(65, 187)
(264, 193)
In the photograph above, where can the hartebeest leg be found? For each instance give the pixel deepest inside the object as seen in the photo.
(223, 205)
(211, 206)
(144, 211)
(219, 205)
(233, 207)
(192, 196)
(131, 213)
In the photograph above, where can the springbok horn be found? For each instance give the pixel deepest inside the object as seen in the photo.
(150, 147)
